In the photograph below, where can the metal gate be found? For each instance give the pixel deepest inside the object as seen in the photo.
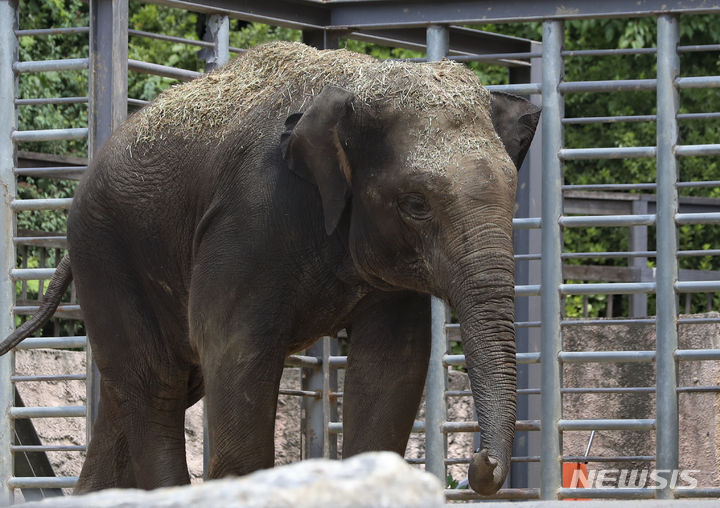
(538, 72)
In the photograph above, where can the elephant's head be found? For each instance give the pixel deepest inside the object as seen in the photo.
(429, 195)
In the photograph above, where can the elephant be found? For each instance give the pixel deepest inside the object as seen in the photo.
(286, 196)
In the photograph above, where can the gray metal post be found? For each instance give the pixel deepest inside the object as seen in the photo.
(668, 68)
(528, 202)
(639, 242)
(107, 109)
(313, 418)
(435, 383)
(551, 275)
(217, 31)
(8, 87)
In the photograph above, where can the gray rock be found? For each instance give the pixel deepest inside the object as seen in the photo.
(381, 479)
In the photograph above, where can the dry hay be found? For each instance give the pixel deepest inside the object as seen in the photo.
(284, 77)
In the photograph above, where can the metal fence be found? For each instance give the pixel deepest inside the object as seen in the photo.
(537, 70)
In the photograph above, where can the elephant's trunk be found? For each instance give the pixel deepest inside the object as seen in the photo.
(483, 297)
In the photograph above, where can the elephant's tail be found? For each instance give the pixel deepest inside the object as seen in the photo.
(56, 289)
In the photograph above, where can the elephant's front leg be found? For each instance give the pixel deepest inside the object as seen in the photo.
(242, 359)
(387, 363)
(241, 389)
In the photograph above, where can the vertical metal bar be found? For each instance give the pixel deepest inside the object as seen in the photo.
(438, 44)
(217, 31)
(8, 87)
(435, 383)
(668, 68)
(326, 389)
(313, 418)
(525, 474)
(107, 109)
(551, 273)
(639, 242)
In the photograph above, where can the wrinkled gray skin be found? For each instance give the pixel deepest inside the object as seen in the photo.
(199, 272)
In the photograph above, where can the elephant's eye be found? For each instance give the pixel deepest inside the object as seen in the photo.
(415, 206)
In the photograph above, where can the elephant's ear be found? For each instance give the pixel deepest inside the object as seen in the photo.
(515, 120)
(312, 146)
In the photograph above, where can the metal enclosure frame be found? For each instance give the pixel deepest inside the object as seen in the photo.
(432, 26)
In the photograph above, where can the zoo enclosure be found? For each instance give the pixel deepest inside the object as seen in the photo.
(535, 70)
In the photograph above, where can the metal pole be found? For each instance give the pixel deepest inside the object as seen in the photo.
(639, 242)
(435, 383)
(551, 273)
(217, 31)
(8, 87)
(107, 109)
(528, 202)
(668, 68)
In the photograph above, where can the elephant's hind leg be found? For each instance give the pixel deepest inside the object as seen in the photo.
(144, 379)
(107, 464)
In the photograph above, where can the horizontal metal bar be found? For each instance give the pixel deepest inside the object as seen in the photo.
(518, 89)
(697, 354)
(651, 320)
(527, 290)
(527, 223)
(608, 288)
(67, 64)
(526, 55)
(302, 393)
(50, 135)
(503, 494)
(607, 220)
(47, 448)
(60, 172)
(137, 102)
(636, 118)
(698, 47)
(618, 458)
(709, 492)
(42, 482)
(609, 52)
(52, 31)
(20, 205)
(59, 242)
(32, 273)
(303, 361)
(79, 341)
(697, 150)
(626, 152)
(612, 85)
(170, 38)
(698, 389)
(606, 356)
(48, 412)
(617, 389)
(162, 70)
(240, 51)
(49, 377)
(636, 186)
(698, 82)
(624, 493)
(609, 119)
(51, 100)
(607, 424)
(697, 286)
(698, 218)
